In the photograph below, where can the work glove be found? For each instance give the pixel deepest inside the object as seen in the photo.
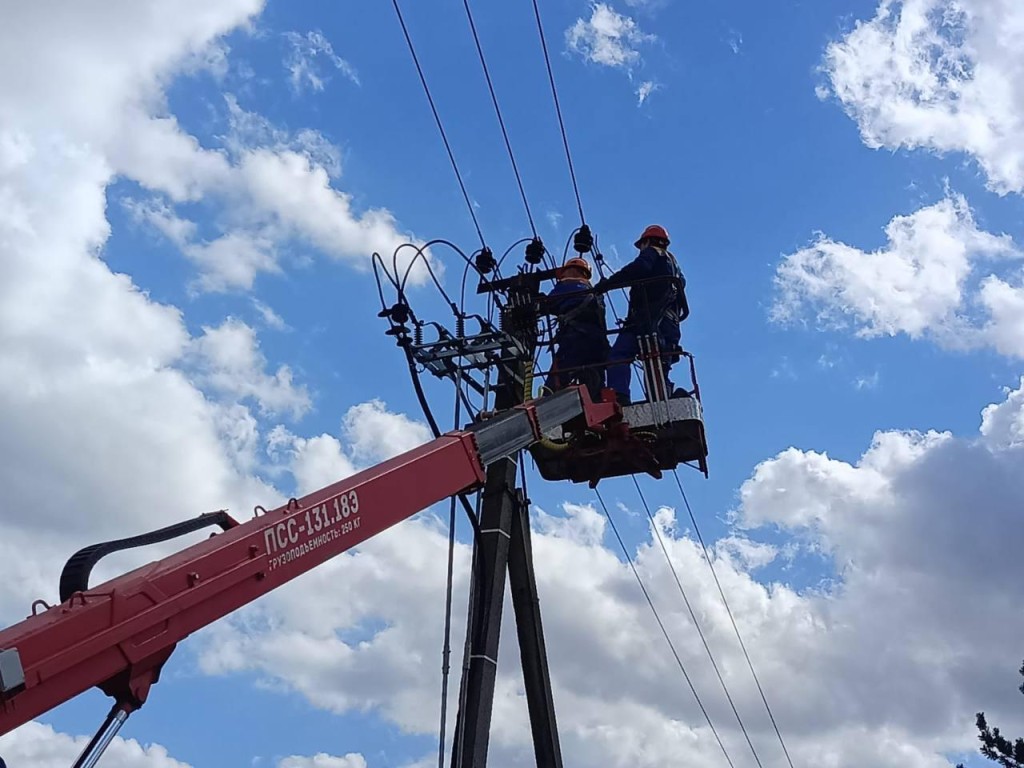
(601, 286)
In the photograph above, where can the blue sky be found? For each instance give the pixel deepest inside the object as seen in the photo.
(238, 161)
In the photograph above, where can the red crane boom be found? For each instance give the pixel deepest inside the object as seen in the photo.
(118, 635)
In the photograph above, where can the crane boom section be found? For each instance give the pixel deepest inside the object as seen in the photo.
(118, 634)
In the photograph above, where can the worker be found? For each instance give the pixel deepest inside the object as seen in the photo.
(655, 307)
(581, 337)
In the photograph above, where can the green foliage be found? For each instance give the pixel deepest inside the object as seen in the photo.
(997, 747)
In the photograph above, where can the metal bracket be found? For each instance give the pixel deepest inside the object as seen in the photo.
(12, 674)
(456, 356)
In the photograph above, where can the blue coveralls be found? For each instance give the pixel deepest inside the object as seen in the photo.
(581, 337)
(658, 306)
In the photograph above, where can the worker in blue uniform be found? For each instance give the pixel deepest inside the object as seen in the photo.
(656, 306)
(581, 337)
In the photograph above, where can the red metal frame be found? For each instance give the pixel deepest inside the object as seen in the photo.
(119, 634)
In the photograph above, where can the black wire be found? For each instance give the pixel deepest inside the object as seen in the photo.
(376, 275)
(509, 249)
(447, 650)
(558, 111)
(736, 629)
(550, 259)
(462, 293)
(663, 630)
(432, 422)
(565, 252)
(440, 127)
(501, 121)
(421, 254)
(693, 616)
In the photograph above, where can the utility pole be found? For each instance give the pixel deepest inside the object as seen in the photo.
(504, 547)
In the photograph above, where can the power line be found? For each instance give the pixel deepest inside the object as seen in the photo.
(447, 649)
(501, 121)
(664, 631)
(440, 127)
(736, 629)
(696, 623)
(558, 110)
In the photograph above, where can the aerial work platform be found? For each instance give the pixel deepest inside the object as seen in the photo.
(653, 437)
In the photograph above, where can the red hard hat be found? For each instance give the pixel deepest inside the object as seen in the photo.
(579, 264)
(656, 231)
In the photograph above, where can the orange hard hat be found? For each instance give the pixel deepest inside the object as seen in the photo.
(656, 231)
(579, 264)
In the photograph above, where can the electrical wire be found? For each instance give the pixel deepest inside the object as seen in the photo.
(509, 249)
(440, 127)
(736, 629)
(497, 110)
(421, 254)
(558, 111)
(432, 422)
(447, 649)
(693, 616)
(664, 631)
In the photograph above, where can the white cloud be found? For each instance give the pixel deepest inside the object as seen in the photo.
(301, 61)
(376, 434)
(94, 403)
(866, 382)
(322, 760)
(92, 96)
(228, 360)
(39, 746)
(1002, 424)
(314, 462)
(270, 318)
(248, 130)
(886, 668)
(272, 188)
(645, 90)
(925, 282)
(231, 260)
(945, 75)
(370, 432)
(748, 553)
(607, 38)
(735, 40)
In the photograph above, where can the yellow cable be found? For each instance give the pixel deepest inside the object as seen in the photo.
(545, 442)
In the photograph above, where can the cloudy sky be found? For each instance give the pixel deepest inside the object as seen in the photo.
(189, 194)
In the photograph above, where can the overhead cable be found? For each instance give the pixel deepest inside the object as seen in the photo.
(736, 629)
(440, 127)
(558, 110)
(501, 121)
(664, 631)
(447, 648)
(696, 622)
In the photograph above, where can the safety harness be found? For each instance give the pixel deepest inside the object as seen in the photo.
(670, 305)
(574, 319)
